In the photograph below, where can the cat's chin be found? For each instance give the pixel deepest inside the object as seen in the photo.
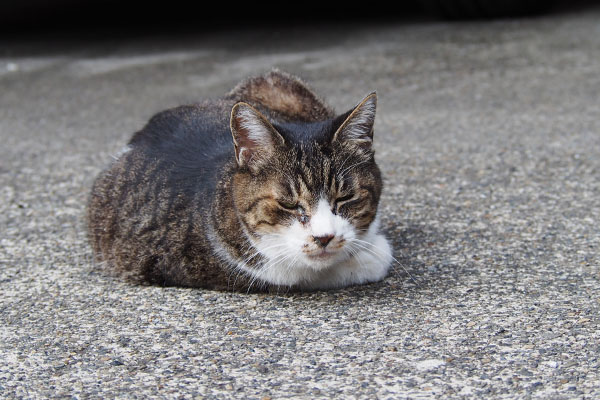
(323, 259)
(322, 255)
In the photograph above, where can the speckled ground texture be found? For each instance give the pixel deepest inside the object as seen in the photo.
(488, 135)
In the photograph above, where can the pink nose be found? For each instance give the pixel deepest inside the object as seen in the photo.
(323, 240)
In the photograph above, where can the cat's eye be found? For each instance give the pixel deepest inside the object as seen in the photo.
(288, 205)
(299, 211)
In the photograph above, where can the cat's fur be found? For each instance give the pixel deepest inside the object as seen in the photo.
(265, 188)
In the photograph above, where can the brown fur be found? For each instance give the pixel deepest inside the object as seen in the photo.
(283, 97)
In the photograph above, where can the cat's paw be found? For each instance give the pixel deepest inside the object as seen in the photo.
(373, 261)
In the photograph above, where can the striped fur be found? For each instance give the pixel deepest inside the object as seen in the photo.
(263, 189)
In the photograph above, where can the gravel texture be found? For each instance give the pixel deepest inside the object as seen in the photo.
(488, 136)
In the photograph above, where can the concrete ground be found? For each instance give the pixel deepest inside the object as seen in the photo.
(488, 135)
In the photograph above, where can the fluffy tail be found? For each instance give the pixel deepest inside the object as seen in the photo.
(283, 96)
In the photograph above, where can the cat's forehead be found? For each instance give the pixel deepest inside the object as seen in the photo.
(313, 173)
(312, 166)
(307, 132)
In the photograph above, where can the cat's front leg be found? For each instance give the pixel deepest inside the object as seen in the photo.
(372, 261)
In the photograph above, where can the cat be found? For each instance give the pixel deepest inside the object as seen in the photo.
(265, 188)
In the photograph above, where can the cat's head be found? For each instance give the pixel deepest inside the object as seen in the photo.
(305, 193)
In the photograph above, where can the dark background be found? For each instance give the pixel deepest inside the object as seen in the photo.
(32, 17)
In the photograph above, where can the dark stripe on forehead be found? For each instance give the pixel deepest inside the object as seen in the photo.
(320, 173)
(328, 176)
(305, 170)
(333, 184)
(346, 183)
(291, 187)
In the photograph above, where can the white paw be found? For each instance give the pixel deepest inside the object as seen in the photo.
(374, 261)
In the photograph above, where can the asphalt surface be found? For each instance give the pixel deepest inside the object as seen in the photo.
(488, 136)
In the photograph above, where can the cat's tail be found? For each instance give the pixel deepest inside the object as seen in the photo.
(282, 96)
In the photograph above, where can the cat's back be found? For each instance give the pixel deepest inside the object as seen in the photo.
(195, 131)
(202, 130)
(154, 197)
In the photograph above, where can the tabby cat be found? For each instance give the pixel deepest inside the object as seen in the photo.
(265, 188)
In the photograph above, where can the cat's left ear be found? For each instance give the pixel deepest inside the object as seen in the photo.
(357, 128)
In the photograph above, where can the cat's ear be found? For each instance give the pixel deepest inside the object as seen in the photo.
(254, 138)
(357, 128)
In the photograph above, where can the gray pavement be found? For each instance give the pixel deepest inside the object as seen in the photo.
(488, 136)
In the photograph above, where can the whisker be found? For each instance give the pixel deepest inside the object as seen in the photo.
(345, 160)
(266, 267)
(239, 270)
(360, 247)
(355, 253)
(363, 244)
(351, 167)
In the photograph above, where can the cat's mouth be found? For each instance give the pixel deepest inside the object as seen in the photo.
(321, 254)
(324, 254)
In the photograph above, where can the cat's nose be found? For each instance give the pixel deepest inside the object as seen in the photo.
(323, 240)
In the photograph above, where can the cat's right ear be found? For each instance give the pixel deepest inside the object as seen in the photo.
(357, 129)
(254, 138)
